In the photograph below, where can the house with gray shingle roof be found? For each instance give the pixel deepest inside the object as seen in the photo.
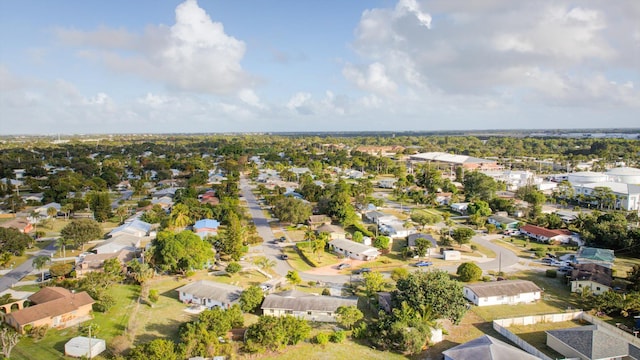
(486, 348)
(506, 292)
(306, 306)
(209, 294)
(587, 342)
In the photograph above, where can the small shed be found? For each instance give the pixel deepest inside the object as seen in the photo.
(452, 255)
(81, 346)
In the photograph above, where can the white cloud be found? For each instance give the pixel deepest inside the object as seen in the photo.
(249, 97)
(195, 54)
(374, 78)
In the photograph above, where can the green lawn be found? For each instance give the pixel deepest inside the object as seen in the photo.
(346, 350)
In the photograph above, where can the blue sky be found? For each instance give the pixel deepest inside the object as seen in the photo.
(143, 66)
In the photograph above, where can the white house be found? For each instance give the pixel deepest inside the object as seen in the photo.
(306, 306)
(387, 183)
(354, 250)
(507, 292)
(136, 228)
(209, 294)
(118, 243)
(545, 235)
(460, 207)
(396, 230)
(595, 278)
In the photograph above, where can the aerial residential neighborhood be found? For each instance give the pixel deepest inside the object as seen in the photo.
(346, 259)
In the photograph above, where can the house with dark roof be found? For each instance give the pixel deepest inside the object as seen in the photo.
(209, 294)
(354, 250)
(306, 306)
(486, 348)
(411, 240)
(506, 292)
(95, 262)
(54, 307)
(587, 342)
(545, 235)
(595, 277)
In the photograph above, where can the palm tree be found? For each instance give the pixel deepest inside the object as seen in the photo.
(62, 242)
(121, 212)
(39, 262)
(180, 216)
(66, 209)
(35, 219)
(51, 211)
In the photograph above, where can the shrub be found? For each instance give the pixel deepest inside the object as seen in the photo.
(360, 331)
(154, 295)
(540, 254)
(338, 336)
(233, 268)
(143, 203)
(551, 273)
(469, 272)
(486, 278)
(322, 339)
(311, 283)
(399, 273)
(326, 292)
(474, 247)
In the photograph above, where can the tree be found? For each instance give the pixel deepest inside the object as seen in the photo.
(433, 293)
(233, 238)
(423, 218)
(293, 277)
(9, 339)
(51, 211)
(382, 242)
(251, 298)
(469, 271)
(399, 273)
(264, 262)
(100, 204)
(479, 186)
(81, 231)
(291, 210)
(121, 212)
(60, 269)
(67, 209)
(373, 282)
(634, 277)
(233, 268)
(273, 333)
(181, 252)
(348, 316)
(422, 246)
(13, 241)
(479, 207)
(39, 262)
(179, 217)
(158, 349)
(462, 235)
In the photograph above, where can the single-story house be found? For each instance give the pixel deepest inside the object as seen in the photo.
(460, 208)
(387, 183)
(596, 277)
(84, 347)
(54, 307)
(32, 198)
(206, 227)
(587, 342)
(306, 306)
(378, 217)
(411, 239)
(354, 250)
(170, 192)
(587, 255)
(165, 202)
(317, 220)
(488, 348)
(335, 232)
(503, 222)
(396, 229)
(43, 210)
(506, 292)
(137, 228)
(95, 262)
(443, 198)
(209, 294)
(117, 243)
(21, 224)
(542, 234)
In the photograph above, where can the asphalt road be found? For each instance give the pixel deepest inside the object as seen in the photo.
(274, 250)
(24, 269)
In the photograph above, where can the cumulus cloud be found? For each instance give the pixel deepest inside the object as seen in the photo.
(547, 52)
(195, 54)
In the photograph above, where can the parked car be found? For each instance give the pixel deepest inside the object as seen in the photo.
(284, 256)
(547, 261)
(46, 276)
(565, 269)
(266, 287)
(423, 263)
(283, 239)
(344, 266)
(362, 271)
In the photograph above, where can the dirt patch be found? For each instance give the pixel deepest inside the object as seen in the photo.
(333, 269)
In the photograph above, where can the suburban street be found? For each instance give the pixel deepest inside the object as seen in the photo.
(24, 269)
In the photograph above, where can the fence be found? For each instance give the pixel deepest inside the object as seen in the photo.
(501, 326)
